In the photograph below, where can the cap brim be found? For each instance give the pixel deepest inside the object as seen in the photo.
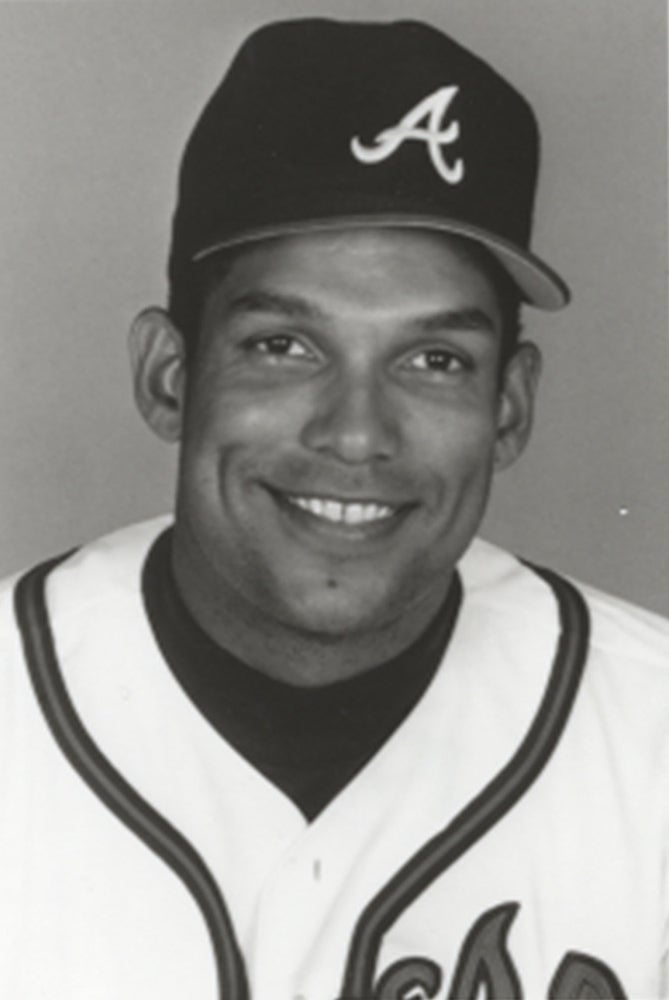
(539, 285)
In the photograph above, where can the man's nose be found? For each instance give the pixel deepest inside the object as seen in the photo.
(353, 421)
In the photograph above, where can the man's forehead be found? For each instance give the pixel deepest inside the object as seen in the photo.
(368, 245)
(416, 275)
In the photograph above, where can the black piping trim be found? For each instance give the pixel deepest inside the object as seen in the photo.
(490, 805)
(116, 793)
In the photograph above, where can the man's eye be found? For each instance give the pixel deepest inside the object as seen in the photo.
(437, 360)
(280, 345)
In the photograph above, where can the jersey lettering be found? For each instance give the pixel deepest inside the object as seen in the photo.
(409, 979)
(485, 968)
(424, 123)
(581, 977)
(485, 962)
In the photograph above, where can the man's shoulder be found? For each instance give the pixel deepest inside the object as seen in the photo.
(619, 630)
(99, 570)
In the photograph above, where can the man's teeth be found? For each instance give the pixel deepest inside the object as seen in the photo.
(343, 513)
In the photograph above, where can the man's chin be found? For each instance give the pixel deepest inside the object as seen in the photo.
(334, 612)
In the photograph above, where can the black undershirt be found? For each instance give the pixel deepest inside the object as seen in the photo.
(308, 741)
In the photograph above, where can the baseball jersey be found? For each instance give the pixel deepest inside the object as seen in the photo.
(509, 839)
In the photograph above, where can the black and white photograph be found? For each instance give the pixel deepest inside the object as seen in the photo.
(334, 466)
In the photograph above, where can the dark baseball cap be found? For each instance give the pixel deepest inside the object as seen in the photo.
(321, 124)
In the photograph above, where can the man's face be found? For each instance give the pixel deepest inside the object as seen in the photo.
(343, 413)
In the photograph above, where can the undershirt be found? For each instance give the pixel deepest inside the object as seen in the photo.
(308, 741)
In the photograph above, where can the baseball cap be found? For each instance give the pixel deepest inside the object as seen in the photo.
(322, 124)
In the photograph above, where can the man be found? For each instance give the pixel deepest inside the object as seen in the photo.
(310, 739)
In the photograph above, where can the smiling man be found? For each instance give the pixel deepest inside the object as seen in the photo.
(309, 739)
(340, 418)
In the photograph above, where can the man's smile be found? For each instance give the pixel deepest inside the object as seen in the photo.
(340, 517)
(343, 512)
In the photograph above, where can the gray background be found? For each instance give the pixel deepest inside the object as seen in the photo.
(97, 99)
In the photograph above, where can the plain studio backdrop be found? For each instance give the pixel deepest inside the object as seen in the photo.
(97, 100)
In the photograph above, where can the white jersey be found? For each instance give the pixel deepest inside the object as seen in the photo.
(510, 839)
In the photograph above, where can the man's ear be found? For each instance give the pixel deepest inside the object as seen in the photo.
(158, 365)
(520, 379)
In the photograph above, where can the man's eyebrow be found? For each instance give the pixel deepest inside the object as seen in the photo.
(278, 303)
(457, 319)
(291, 306)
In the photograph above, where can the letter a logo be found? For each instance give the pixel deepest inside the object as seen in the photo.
(424, 123)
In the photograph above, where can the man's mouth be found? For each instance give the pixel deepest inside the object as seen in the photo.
(343, 512)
